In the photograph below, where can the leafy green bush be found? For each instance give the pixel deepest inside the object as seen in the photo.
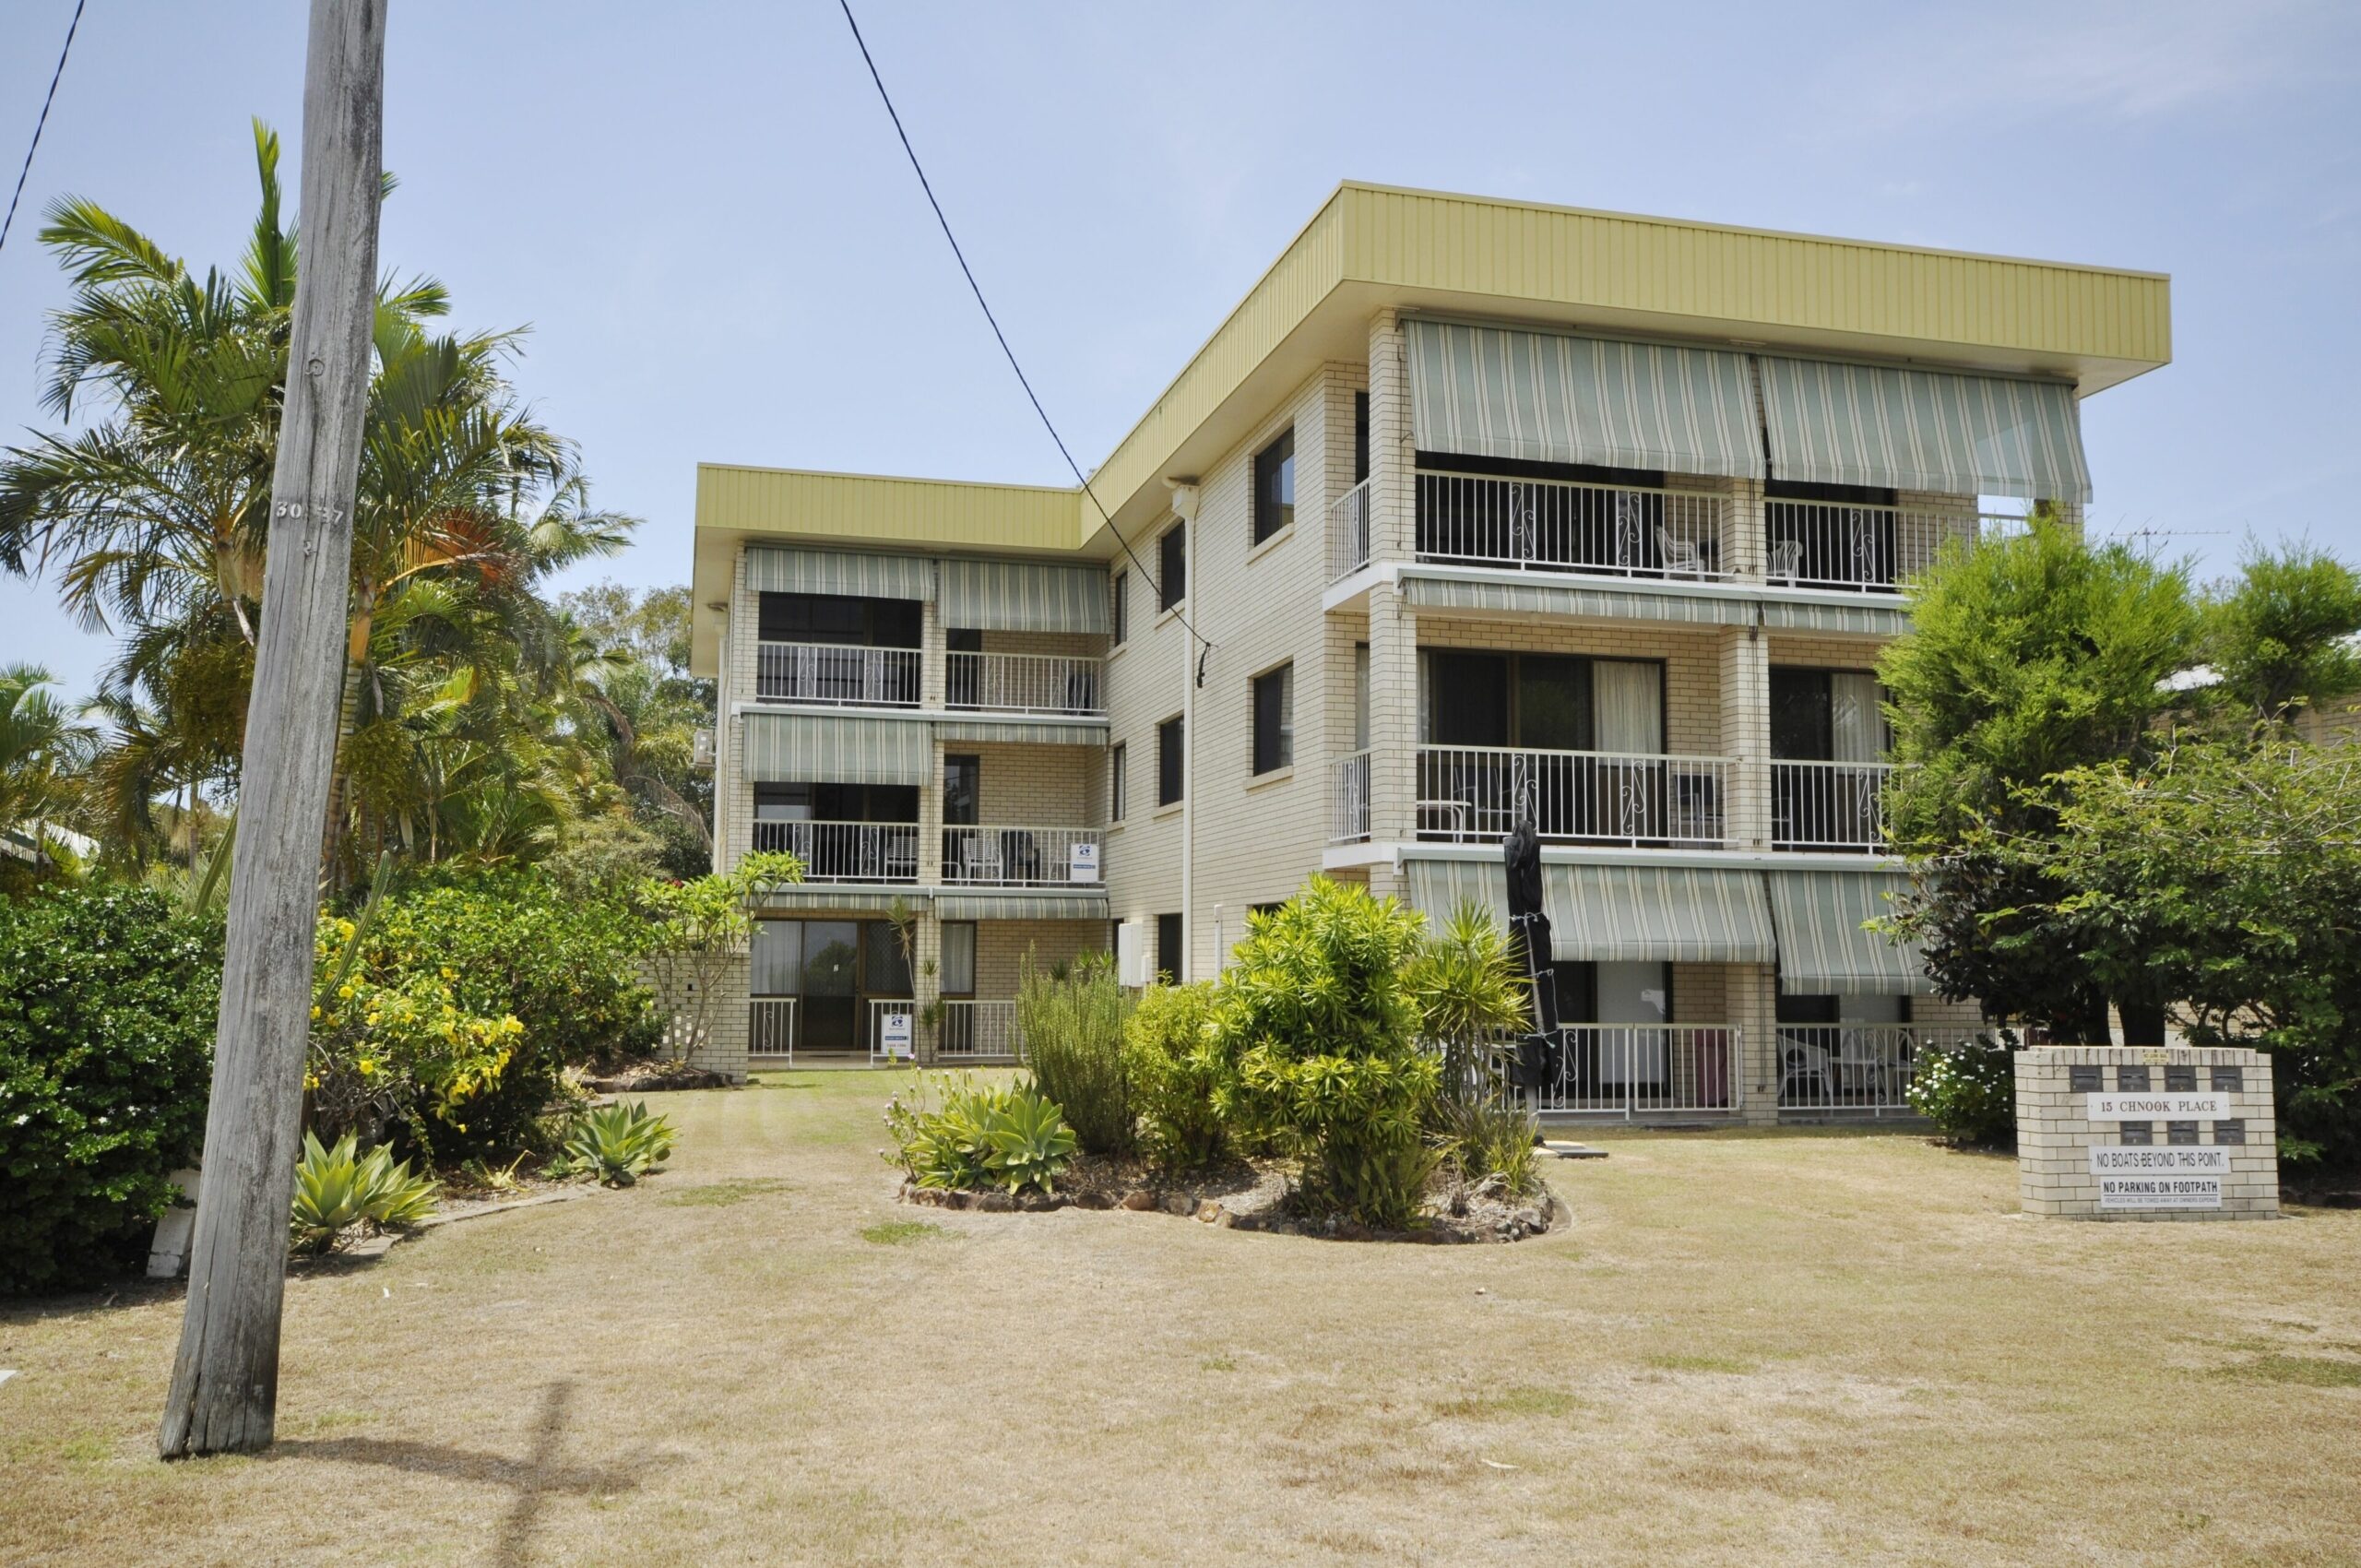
(619, 1144)
(1968, 1092)
(1315, 1031)
(1073, 1027)
(954, 1134)
(1486, 1134)
(1469, 991)
(1172, 1073)
(107, 1009)
(338, 1187)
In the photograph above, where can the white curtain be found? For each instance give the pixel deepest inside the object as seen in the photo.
(958, 958)
(777, 954)
(1856, 731)
(1627, 707)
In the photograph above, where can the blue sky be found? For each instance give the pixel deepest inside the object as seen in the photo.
(701, 213)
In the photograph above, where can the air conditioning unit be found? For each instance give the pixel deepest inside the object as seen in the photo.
(1131, 953)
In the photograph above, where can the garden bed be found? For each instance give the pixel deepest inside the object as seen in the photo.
(1250, 1197)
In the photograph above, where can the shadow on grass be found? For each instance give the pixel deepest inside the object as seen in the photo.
(532, 1479)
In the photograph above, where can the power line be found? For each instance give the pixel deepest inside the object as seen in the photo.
(976, 289)
(10, 221)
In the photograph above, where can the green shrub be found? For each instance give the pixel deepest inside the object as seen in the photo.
(1315, 1031)
(952, 1133)
(107, 1009)
(619, 1144)
(1073, 1027)
(1469, 991)
(1486, 1134)
(338, 1187)
(1172, 1072)
(1968, 1092)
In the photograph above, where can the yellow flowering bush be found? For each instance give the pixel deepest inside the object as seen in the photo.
(403, 1055)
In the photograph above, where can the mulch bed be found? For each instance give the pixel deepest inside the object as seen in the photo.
(1252, 1197)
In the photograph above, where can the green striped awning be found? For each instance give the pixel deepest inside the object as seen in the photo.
(1565, 599)
(1021, 906)
(1879, 617)
(1044, 732)
(1553, 397)
(1604, 914)
(798, 748)
(770, 569)
(1923, 429)
(1823, 950)
(1024, 596)
(838, 900)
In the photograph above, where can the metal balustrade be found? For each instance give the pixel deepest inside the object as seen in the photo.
(1026, 682)
(1022, 857)
(1834, 544)
(1551, 525)
(879, 1050)
(770, 1028)
(1863, 1069)
(1349, 532)
(846, 851)
(1633, 1070)
(1828, 805)
(969, 1031)
(830, 673)
(1477, 794)
(1349, 807)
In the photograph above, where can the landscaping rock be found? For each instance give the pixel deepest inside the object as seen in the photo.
(1209, 1211)
(995, 1202)
(1179, 1204)
(1140, 1202)
(1093, 1200)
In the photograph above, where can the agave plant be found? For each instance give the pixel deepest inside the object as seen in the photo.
(1029, 1141)
(619, 1144)
(339, 1187)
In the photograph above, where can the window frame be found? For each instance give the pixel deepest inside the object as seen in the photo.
(1282, 740)
(1173, 566)
(1118, 782)
(1172, 974)
(1119, 614)
(1171, 762)
(1270, 516)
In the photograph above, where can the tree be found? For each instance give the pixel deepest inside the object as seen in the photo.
(632, 677)
(41, 747)
(701, 929)
(2282, 636)
(2026, 656)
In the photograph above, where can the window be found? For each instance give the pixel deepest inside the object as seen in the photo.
(1275, 720)
(1361, 436)
(1169, 772)
(958, 958)
(837, 618)
(962, 777)
(1118, 793)
(1172, 564)
(1360, 696)
(1825, 715)
(1169, 960)
(1275, 486)
(1552, 702)
(1120, 616)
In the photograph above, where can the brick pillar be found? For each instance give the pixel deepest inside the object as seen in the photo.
(1751, 997)
(926, 981)
(930, 822)
(933, 662)
(1392, 496)
(1745, 545)
(1744, 659)
(1392, 716)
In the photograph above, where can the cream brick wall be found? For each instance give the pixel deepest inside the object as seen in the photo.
(1002, 945)
(2054, 1137)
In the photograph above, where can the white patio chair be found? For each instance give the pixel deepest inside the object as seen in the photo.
(1786, 560)
(979, 858)
(1681, 556)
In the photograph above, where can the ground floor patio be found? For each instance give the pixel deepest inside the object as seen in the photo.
(1762, 1348)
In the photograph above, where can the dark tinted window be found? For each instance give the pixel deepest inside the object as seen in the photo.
(1169, 774)
(1169, 957)
(1470, 700)
(1274, 487)
(1121, 614)
(1275, 720)
(960, 778)
(835, 618)
(1361, 436)
(1553, 708)
(1172, 564)
(1118, 793)
(1800, 716)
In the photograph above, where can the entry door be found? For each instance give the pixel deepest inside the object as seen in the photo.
(830, 1020)
(1632, 993)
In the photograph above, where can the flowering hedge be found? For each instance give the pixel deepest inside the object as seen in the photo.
(1969, 1092)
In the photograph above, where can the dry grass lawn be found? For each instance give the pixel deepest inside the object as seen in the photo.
(1745, 1349)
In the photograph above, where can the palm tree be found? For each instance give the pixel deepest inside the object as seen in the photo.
(42, 748)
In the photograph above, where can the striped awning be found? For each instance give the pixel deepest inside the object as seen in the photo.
(1021, 906)
(798, 748)
(1045, 732)
(1024, 596)
(1823, 950)
(1565, 599)
(1604, 914)
(771, 569)
(1881, 617)
(838, 900)
(1897, 429)
(1553, 397)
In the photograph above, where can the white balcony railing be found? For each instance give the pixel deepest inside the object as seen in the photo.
(1022, 857)
(887, 1043)
(1828, 805)
(1549, 524)
(1026, 682)
(846, 851)
(1349, 807)
(1478, 793)
(828, 673)
(977, 1031)
(1832, 544)
(1631, 1070)
(770, 1028)
(1859, 1068)
(1348, 538)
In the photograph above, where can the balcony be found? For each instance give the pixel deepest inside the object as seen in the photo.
(837, 673)
(1828, 805)
(1348, 533)
(1870, 548)
(1633, 1070)
(846, 851)
(1021, 856)
(1053, 683)
(1554, 526)
(1348, 799)
(1860, 1068)
(1476, 793)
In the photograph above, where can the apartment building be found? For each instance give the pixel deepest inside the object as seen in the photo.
(1471, 509)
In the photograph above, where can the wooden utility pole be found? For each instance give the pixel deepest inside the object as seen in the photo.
(225, 1382)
